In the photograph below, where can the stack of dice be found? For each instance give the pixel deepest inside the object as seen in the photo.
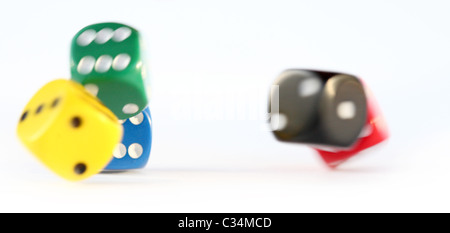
(99, 120)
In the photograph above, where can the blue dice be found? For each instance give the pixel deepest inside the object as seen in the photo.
(134, 150)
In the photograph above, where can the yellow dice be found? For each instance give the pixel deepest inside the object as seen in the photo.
(69, 130)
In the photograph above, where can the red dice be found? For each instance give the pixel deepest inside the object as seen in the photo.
(334, 113)
(374, 132)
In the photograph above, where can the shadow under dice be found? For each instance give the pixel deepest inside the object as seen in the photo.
(329, 111)
(69, 130)
(106, 59)
(134, 150)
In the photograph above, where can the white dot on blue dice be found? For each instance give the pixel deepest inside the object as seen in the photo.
(120, 151)
(135, 150)
(137, 120)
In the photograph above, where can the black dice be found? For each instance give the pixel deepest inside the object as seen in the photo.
(316, 107)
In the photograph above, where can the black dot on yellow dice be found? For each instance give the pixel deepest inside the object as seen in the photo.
(76, 122)
(80, 168)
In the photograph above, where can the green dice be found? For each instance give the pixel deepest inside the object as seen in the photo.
(107, 59)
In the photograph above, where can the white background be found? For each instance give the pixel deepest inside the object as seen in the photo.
(211, 65)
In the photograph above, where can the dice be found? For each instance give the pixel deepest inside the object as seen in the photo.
(134, 150)
(106, 58)
(375, 131)
(332, 112)
(69, 130)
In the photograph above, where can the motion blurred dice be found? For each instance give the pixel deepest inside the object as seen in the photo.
(332, 112)
(107, 59)
(375, 131)
(134, 150)
(69, 130)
